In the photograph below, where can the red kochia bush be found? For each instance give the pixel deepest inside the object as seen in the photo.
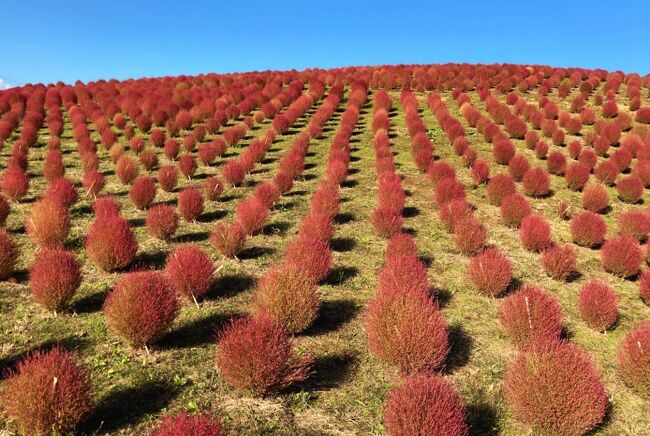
(406, 273)
(14, 183)
(54, 278)
(251, 215)
(325, 200)
(213, 188)
(255, 354)
(424, 404)
(143, 192)
(643, 115)
(233, 173)
(187, 165)
(621, 256)
(598, 305)
(469, 235)
(106, 206)
(93, 182)
(559, 261)
(110, 243)
(141, 307)
(162, 221)
(267, 193)
(317, 225)
(634, 223)
(387, 221)
(535, 233)
(311, 256)
(190, 270)
(48, 223)
(185, 424)
(4, 211)
(148, 159)
(448, 189)
(190, 203)
(401, 245)
(588, 229)
(454, 211)
(48, 392)
(480, 172)
(576, 175)
(500, 186)
(595, 198)
(167, 177)
(556, 163)
(406, 329)
(530, 315)
(630, 189)
(63, 191)
(536, 182)
(8, 255)
(644, 286)
(633, 359)
(514, 208)
(228, 239)
(126, 169)
(503, 151)
(518, 166)
(490, 272)
(556, 389)
(288, 296)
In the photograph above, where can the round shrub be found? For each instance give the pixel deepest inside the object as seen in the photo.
(148, 159)
(49, 391)
(598, 305)
(514, 208)
(233, 173)
(110, 243)
(535, 233)
(187, 165)
(576, 175)
(190, 203)
(325, 200)
(500, 186)
(317, 225)
(559, 261)
(469, 235)
(555, 163)
(213, 188)
(400, 245)
(588, 229)
(167, 177)
(530, 315)
(621, 256)
(251, 214)
(171, 149)
(634, 223)
(595, 198)
(536, 182)
(93, 182)
(54, 278)
(454, 211)
(14, 183)
(288, 296)
(503, 151)
(518, 167)
(311, 256)
(633, 359)
(490, 272)
(48, 223)
(143, 192)
(630, 189)
(448, 189)
(228, 238)
(556, 389)
(406, 329)
(141, 307)
(480, 172)
(126, 169)
(63, 191)
(424, 404)
(185, 424)
(386, 221)
(106, 206)
(190, 270)
(162, 221)
(644, 286)
(255, 354)
(606, 172)
(406, 273)
(440, 170)
(8, 255)
(5, 208)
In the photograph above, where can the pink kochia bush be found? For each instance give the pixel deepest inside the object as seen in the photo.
(588, 229)
(514, 208)
(535, 233)
(162, 221)
(228, 238)
(387, 221)
(143, 192)
(255, 354)
(598, 305)
(185, 424)
(405, 272)
(190, 203)
(54, 278)
(251, 215)
(110, 243)
(530, 315)
(49, 391)
(288, 296)
(406, 329)
(633, 359)
(141, 307)
(48, 223)
(8, 255)
(310, 255)
(424, 404)
(490, 272)
(190, 270)
(556, 389)
(559, 261)
(621, 256)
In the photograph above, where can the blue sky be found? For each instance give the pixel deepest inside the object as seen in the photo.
(49, 41)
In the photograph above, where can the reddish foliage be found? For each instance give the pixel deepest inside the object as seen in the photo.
(8, 255)
(110, 243)
(288, 296)
(267, 193)
(126, 169)
(500, 186)
(633, 359)
(576, 175)
(93, 182)
(634, 223)
(518, 166)
(48, 223)
(233, 173)
(440, 170)
(54, 278)
(453, 211)
(37, 405)
(401, 244)
(53, 167)
(190, 203)
(255, 354)
(588, 229)
(480, 171)
(228, 239)
(406, 329)
(405, 273)
(62, 191)
(490, 272)
(606, 172)
(162, 221)
(643, 115)
(251, 214)
(189, 269)
(148, 159)
(536, 182)
(141, 307)
(514, 208)
(595, 198)
(187, 165)
(167, 177)
(387, 221)
(424, 404)
(556, 377)
(106, 206)
(469, 235)
(630, 189)
(556, 163)
(325, 200)
(535, 233)
(5, 208)
(559, 261)
(448, 189)
(317, 225)
(143, 192)
(503, 151)
(283, 181)
(598, 305)
(185, 424)
(530, 315)
(14, 183)
(621, 256)
(171, 149)
(311, 256)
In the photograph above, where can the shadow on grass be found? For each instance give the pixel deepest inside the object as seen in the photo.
(331, 316)
(340, 275)
(460, 348)
(211, 216)
(276, 228)
(410, 212)
(147, 261)
(192, 237)
(70, 343)
(329, 372)
(344, 218)
(89, 303)
(230, 285)
(127, 406)
(482, 420)
(343, 245)
(197, 332)
(255, 252)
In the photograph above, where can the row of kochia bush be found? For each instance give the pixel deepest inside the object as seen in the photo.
(548, 374)
(254, 353)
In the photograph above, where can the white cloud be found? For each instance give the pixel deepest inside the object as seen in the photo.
(4, 84)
